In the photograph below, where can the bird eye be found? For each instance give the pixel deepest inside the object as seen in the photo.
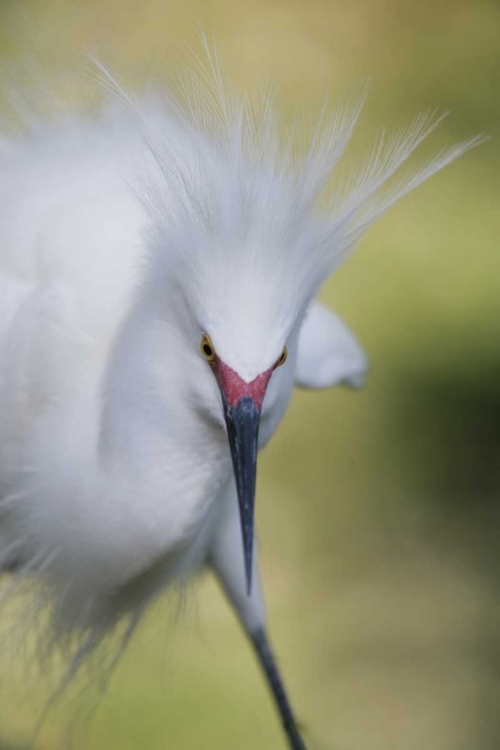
(207, 348)
(283, 356)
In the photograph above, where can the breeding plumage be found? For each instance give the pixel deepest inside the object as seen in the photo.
(157, 263)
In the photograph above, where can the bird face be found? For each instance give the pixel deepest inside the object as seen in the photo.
(242, 406)
(242, 316)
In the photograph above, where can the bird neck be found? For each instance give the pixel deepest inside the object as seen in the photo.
(152, 435)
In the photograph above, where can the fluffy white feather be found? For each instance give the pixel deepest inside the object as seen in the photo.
(328, 354)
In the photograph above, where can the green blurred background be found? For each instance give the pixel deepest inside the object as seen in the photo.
(378, 512)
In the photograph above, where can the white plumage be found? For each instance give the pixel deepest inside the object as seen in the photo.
(125, 237)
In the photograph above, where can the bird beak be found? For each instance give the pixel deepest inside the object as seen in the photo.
(242, 421)
(242, 404)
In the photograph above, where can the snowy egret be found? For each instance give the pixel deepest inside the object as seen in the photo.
(159, 266)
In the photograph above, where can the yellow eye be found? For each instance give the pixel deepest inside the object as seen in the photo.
(207, 348)
(283, 356)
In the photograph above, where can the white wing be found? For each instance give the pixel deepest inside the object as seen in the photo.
(329, 354)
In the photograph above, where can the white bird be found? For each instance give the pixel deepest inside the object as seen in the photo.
(158, 270)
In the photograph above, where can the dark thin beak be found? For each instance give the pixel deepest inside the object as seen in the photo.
(242, 423)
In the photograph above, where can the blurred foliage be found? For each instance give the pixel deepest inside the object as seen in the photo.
(378, 512)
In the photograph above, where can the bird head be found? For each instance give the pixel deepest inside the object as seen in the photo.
(244, 336)
(242, 260)
(240, 243)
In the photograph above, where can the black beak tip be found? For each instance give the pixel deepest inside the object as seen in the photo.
(248, 570)
(249, 583)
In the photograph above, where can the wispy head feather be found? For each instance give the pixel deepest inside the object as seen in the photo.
(223, 167)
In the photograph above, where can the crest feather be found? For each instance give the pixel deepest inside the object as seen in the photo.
(236, 171)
